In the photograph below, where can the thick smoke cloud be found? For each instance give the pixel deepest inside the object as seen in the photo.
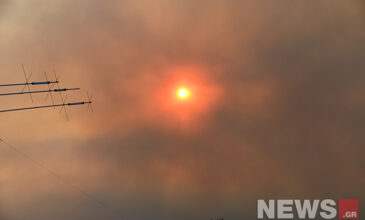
(281, 111)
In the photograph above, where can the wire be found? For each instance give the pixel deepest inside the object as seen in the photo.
(64, 180)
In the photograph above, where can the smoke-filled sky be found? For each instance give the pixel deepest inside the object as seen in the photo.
(276, 110)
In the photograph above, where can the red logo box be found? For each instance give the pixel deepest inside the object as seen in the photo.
(348, 209)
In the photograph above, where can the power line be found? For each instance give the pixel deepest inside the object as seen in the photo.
(64, 180)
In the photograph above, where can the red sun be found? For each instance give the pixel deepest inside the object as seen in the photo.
(183, 93)
(187, 96)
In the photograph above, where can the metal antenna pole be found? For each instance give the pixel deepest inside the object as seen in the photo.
(40, 91)
(46, 106)
(29, 83)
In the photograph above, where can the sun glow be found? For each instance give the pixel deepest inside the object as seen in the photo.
(183, 93)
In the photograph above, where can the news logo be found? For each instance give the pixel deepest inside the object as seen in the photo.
(348, 209)
(308, 209)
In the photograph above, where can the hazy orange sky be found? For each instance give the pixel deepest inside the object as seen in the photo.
(277, 106)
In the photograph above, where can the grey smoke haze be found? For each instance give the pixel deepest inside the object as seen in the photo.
(281, 115)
